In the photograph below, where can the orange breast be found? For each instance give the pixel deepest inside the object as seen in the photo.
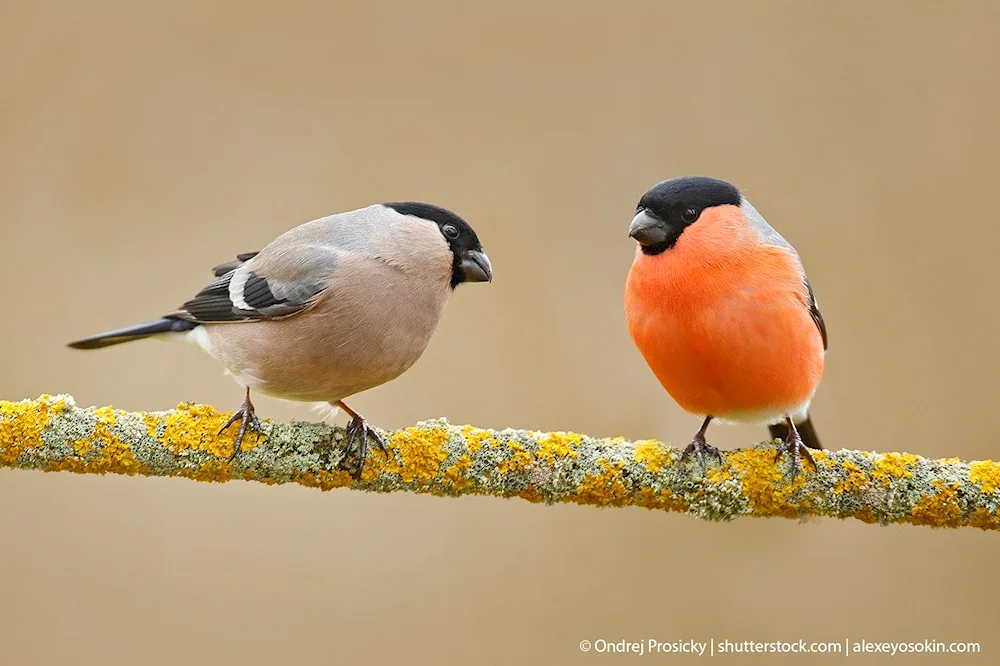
(723, 321)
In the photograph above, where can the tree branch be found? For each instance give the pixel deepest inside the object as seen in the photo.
(53, 434)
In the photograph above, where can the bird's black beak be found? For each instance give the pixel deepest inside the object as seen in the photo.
(476, 267)
(647, 229)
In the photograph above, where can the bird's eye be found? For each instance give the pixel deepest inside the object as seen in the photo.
(450, 231)
(689, 215)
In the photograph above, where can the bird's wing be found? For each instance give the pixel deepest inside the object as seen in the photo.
(769, 236)
(243, 257)
(816, 315)
(264, 285)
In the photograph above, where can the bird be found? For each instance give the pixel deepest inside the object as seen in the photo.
(326, 310)
(718, 304)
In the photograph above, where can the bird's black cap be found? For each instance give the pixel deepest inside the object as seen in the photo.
(677, 203)
(688, 191)
(461, 238)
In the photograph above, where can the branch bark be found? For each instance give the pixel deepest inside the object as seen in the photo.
(53, 434)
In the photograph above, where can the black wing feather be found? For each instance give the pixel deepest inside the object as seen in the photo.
(257, 293)
(241, 258)
(214, 305)
(817, 317)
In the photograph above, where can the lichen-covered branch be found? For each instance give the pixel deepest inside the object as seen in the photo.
(52, 434)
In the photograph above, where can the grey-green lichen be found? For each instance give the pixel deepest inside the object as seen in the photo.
(52, 434)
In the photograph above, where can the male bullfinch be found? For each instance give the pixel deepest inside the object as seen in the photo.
(719, 306)
(328, 309)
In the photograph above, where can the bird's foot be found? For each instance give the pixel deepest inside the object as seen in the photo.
(700, 448)
(795, 448)
(359, 431)
(248, 423)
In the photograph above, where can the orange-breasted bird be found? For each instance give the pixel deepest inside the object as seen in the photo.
(719, 305)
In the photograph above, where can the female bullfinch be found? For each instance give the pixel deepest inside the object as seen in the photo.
(718, 304)
(328, 309)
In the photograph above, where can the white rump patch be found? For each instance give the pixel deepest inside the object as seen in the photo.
(196, 337)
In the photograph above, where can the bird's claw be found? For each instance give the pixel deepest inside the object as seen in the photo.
(359, 430)
(795, 448)
(700, 448)
(248, 422)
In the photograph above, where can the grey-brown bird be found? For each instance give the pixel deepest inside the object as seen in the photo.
(328, 309)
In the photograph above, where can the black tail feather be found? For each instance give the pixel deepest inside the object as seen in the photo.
(806, 431)
(137, 332)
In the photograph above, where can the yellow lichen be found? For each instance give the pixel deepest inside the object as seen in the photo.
(152, 420)
(853, 482)
(664, 500)
(81, 446)
(940, 509)
(986, 474)
(419, 453)
(103, 450)
(211, 470)
(718, 474)
(893, 466)
(763, 482)
(866, 515)
(984, 519)
(197, 427)
(518, 462)
(457, 473)
(555, 445)
(22, 426)
(326, 480)
(653, 454)
(604, 488)
(475, 438)
(531, 494)
(56, 405)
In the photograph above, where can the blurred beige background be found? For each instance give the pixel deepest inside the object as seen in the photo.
(143, 142)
